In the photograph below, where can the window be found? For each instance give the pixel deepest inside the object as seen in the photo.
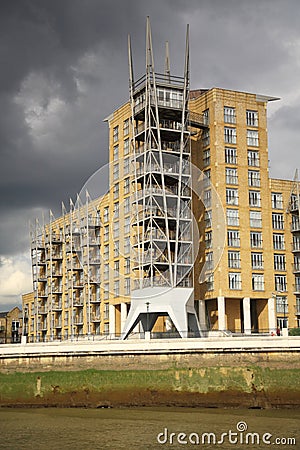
(296, 243)
(106, 214)
(127, 245)
(253, 158)
(126, 186)
(209, 260)
(127, 286)
(230, 155)
(279, 262)
(106, 311)
(116, 229)
(116, 171)
(126, 147)
(116, 268)
(126, 127)
(278, 241)
(255, 219)
(231, 176)
(127, 266)
(206, 157)
(232, 197)
(106, 233)
(281, 305)
(295, 223)
(252, 138)
(277, 221)
(116, 153)
(210, 282)
(127, 225)
(257, 261)
(126, 166)
(234, 261)
(207, 219)
(106, 252)
(106, 272)
(277, 200)
(256, 239)
(234, 280)
(252, 118)
(233, 238)
(280, 283)
(232, 217)
(229, 115)
(106, 291)
(127, 205)
(116, 191)
(116, 210)
(116, 133)
(254, 198)
(205, 138)
(258, 282)
(254, 178)
(297, 263)
(206, 178)
(230, 135)
(207, 198)
(116, 249)
(206, 117)
(208, 239)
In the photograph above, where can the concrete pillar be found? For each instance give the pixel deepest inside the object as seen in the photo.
(112, 319)
(247, 315)
(221, 313)
(123, 315)
(272, 315)
(202, 315)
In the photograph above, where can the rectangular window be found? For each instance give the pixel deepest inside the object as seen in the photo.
(106, 311)
(258, 282)
(252, 138)
(127, 245)
(126, 147)
(106, 214)
(277, 200)
(126, 127)
(127, 205)
(127, 225)
(277, 221)
(252, 118)
(255, 219)
(229, 115)
(205, 138)
(254, 199)
(256, 239)
(206, 117)
(278, 241)
(106, 252)
(207, 198)
(116, 249)
(279, 262)
(233, 238)
(106, 272)
(106, 291)
(254, 178)
(116, 229)
(127, 266)
(231, 176)
(116, 210)
(116, 172)
(234, 280)
(257, 261)
(206, 157)
(253, 158)
(280, 283)
(230, 155)
(116, 191)
(127, 286)
(210, 282)
(281, 305)
(116, 133)
(209, 260)
(232, 197)
(126, 186)
(230, 135)
(232, 217)
(207, 219)
(116, 153)
(106, 233)
(208, 239)
(234, 260)
(116, 268)
(296, 243)
(126, 166)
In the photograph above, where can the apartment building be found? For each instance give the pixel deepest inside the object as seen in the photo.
(192, 235)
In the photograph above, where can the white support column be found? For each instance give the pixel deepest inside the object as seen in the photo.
(202, 315)
(221, 313)
(123, 315)
(112, 319)
(272, 315)
(247, 315)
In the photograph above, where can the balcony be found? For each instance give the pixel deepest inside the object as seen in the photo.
(96, 318)
(57, 306)
(295, 226)
(78, 320)
(296, 247)
(78, 303)
(296, 288)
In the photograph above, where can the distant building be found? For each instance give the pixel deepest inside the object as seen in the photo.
(11, 326)
(193, 234)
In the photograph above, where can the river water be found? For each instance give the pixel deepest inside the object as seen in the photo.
(148, 428)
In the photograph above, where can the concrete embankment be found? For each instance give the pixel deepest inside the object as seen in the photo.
(247, 372)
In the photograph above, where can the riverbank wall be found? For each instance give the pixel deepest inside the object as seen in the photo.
(254, 372)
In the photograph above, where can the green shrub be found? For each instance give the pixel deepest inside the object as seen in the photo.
(294, 332)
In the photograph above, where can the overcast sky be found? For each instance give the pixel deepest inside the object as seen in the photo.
(64, 69)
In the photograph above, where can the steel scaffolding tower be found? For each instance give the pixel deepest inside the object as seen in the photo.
(162, 200)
